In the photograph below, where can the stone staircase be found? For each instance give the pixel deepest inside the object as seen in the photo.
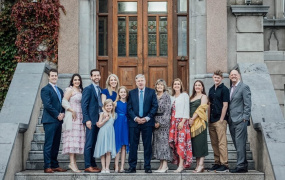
(35, 163)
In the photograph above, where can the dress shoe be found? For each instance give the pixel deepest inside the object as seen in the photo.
(48, 170)
(96, 168)
(236, 170)
(91, 170)
(163, 170)
(107, 171)
(130, 171)
(200, 169)
(179, 169)
(74, 168)
(59, 169)
(148, 171)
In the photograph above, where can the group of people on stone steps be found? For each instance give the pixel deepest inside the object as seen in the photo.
(107, 123)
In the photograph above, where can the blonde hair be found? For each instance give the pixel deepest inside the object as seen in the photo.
(113, 110)
(108, 86)
(118, 96)
(181, 84)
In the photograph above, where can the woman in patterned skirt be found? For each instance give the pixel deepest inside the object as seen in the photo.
(179, 132)
(161, 148)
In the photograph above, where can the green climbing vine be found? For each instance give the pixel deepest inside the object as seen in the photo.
(8, 48)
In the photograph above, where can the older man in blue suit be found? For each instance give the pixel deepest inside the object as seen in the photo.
(91, 107)
(142, 106)
(52, 122)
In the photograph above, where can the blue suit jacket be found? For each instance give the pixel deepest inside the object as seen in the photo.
(90, 105)
(52, 105)
(150, 106)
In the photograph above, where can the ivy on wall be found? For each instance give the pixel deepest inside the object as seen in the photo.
(37, 24)
(8, 49)
(29, 31)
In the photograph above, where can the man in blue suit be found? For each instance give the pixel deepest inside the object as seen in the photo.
(142, 106)
(52, 122)
(91, 107)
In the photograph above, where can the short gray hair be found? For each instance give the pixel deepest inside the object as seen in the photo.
(140, 76)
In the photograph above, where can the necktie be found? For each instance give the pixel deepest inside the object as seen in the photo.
(58, 93)
(99, 96)
(141, 104)
(232, 91)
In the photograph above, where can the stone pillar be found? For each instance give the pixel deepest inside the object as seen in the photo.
(68, 44)
(87, 36)
(249, 32)
(197, 39)
(217, 35)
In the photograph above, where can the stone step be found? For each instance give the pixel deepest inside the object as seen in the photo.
(39, 165)
(40, 129)
(38, 155)
(38, 137)
(140, 175)
(38, 146)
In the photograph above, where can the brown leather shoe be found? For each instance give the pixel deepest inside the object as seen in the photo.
(48, 170)
(91, 170)
(96, 168)
(59, 169)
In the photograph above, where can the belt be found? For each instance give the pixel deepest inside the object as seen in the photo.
(159, 114)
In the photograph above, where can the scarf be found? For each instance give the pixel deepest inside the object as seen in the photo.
(199, 124)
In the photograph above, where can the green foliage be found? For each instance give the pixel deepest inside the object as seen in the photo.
(8, 49)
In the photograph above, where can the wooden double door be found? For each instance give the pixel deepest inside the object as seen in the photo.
(142, 42)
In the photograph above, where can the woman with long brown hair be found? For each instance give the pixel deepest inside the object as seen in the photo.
(198, 123)
(179, 132)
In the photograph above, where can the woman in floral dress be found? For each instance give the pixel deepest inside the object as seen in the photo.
(179, 132)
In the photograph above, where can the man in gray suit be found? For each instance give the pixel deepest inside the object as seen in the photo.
(239, 119)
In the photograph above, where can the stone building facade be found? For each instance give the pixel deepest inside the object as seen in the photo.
(219, 34)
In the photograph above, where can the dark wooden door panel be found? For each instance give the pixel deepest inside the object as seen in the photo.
(156, 73)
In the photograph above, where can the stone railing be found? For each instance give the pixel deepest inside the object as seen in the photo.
(19, 116)
(266, 135)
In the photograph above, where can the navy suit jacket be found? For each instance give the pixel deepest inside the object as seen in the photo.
(150, 106)
(52, 105)
(90, 105)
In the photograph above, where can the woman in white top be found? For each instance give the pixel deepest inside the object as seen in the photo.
(179, 132)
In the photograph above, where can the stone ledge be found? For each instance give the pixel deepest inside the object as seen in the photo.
(140, 175)
(274, 55)
(273, 22)
(273, 134)
(249, 10)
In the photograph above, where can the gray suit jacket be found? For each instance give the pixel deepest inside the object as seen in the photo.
(240, 104)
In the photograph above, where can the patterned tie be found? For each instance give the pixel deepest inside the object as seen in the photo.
(99, 96)
(141, 104)
(58, 93)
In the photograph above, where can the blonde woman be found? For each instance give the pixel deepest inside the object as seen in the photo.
(112, 86)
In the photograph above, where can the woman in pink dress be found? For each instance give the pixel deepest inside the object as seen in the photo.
(73, 130)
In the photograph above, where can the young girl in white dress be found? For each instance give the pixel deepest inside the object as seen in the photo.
(105, 146)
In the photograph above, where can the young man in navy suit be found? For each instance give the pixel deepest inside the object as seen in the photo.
(142, 106)
(91, 107)
(52, 122)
